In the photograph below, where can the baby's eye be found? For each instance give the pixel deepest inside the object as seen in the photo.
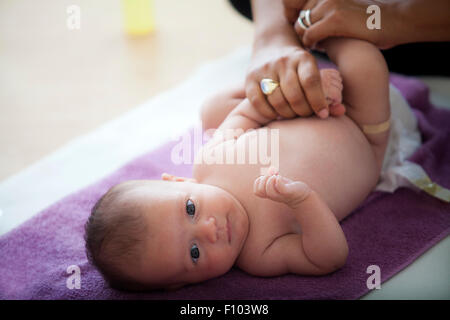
(195, 253)
(190, 208)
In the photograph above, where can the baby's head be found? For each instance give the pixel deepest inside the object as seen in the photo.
(149, 234)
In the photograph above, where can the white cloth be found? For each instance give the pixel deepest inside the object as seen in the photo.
(404, 139)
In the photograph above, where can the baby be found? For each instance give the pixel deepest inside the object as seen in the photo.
(177, 231)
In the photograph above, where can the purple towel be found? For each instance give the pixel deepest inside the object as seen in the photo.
(388, 230)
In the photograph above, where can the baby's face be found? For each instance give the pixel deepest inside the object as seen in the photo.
(197, 232)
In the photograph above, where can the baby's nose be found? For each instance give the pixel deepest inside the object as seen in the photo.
(208, 229)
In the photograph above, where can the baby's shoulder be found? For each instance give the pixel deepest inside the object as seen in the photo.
(261, 235)
(250, 256)
(253, 260)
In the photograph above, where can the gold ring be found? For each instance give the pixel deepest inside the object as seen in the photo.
(268, 86)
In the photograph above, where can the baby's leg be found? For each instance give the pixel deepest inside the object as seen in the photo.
(216, 108)
(366, 88)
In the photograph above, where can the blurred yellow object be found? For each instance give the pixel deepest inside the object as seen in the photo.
(138, 16)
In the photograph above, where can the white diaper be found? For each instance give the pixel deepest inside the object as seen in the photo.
(404, 139)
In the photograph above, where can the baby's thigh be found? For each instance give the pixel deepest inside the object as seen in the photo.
(216, 108)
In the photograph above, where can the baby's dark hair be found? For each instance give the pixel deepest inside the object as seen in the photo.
(114, 236)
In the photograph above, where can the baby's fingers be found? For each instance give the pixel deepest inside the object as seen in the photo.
(264, 187)
(271, 191)
(259, 186)
(293, 192)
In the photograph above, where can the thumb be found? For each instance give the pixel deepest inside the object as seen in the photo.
(295, 191)
(291, 14)
(319, 31)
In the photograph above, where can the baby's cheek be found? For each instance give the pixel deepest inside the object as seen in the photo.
(222, 261)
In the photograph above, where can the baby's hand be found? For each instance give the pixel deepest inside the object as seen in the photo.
(281, 189)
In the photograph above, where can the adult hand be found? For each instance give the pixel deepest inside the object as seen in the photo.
(344, 18)
(300, 91)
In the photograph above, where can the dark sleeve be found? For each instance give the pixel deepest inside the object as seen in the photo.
(427, 58)
(243, 7)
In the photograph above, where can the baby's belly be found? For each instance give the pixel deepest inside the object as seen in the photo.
(333, 157)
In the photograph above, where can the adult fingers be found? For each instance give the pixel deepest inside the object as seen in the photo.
(319, 31)
(310, 80)
(316, 13)
(279, 103)
(294, 4)
(327, 21)
(292, 90)
(258, 100)
(291, 8)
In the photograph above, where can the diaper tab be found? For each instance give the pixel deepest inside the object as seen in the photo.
(432, 188)
(415, 174)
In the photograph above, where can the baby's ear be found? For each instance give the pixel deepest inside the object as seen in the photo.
(170, 177)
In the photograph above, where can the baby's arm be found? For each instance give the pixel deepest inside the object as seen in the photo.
(217, 107)
(244, 117)
(321, 247)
